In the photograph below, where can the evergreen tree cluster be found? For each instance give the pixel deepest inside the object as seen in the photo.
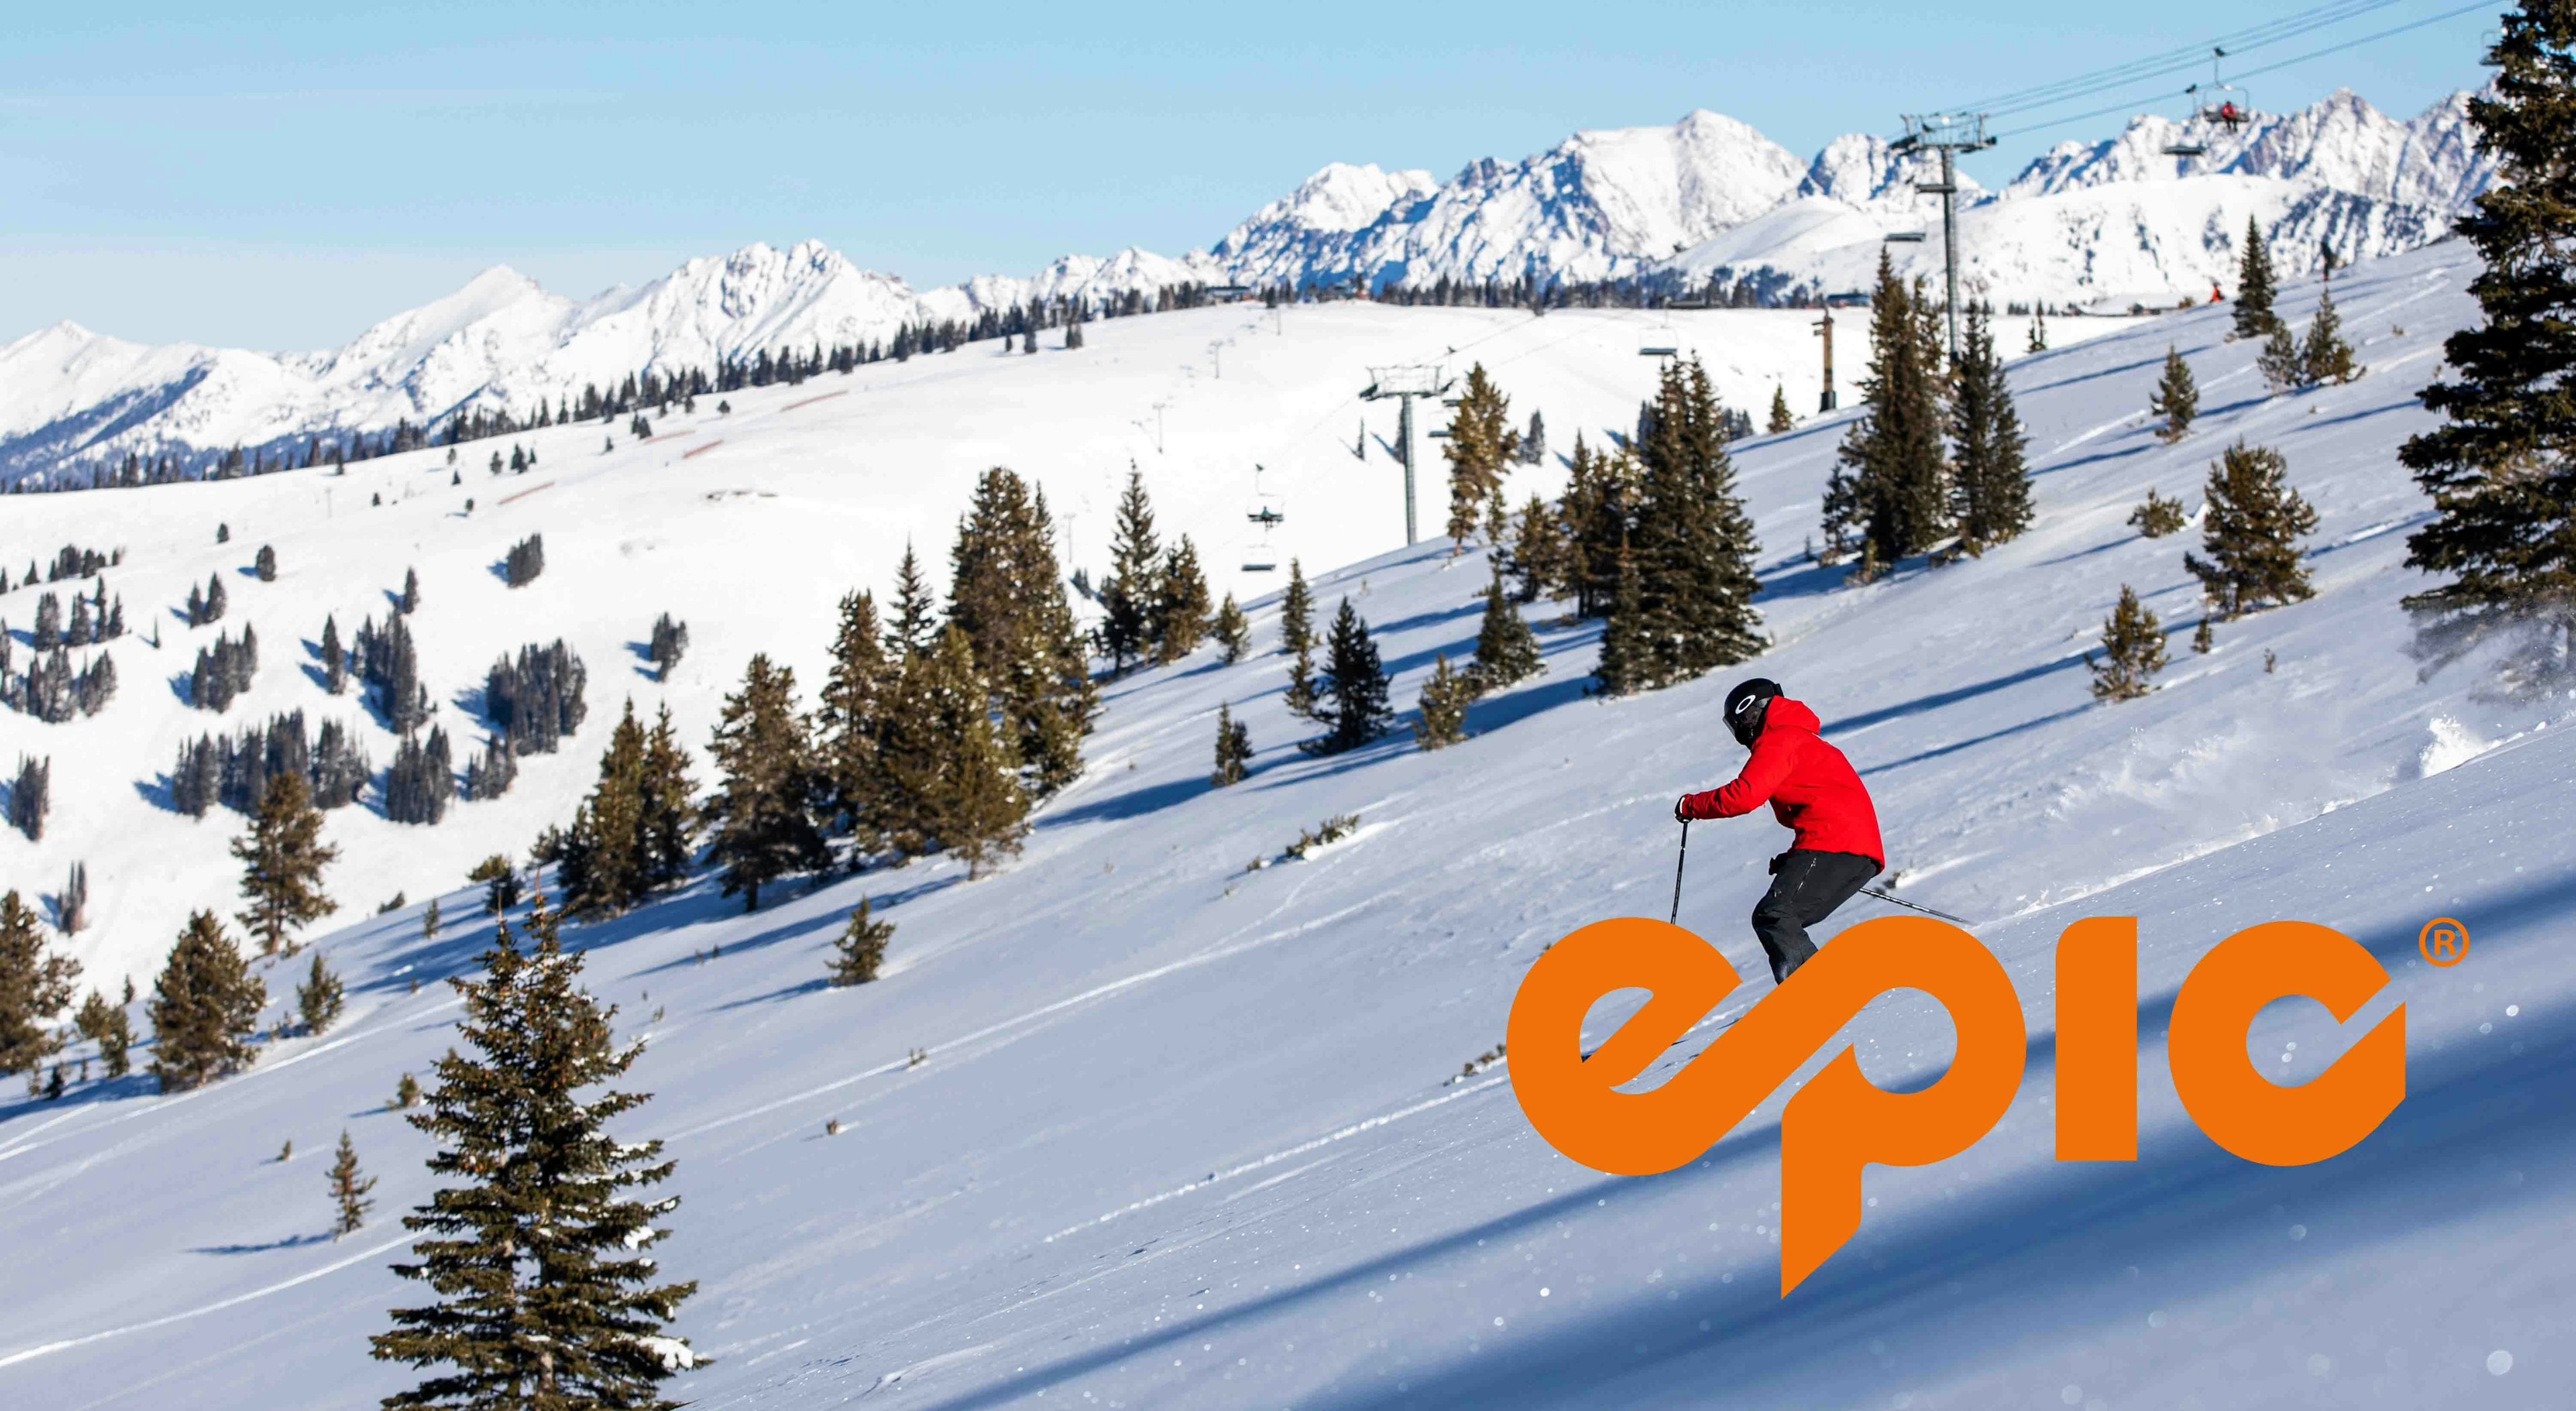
(536, 700)
(421, 781)
(105, 1024)
(1683, 604)
(670, 640)
(525, 560)
(53, 689)
(761, 821)
(2501, 465)
(635, 834)
(1156, 600)
(34, 987)
(94, 619)
(1989, 466)
(490, 773)
(71, 561)
(384, 659)
(234, 771)
(1006, 596)
(206, 605)
(71, 904)
(1892, 487)
(224, 670)
(31, 796)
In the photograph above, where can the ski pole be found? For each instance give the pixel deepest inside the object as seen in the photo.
(1677, 872)
(1900, 901)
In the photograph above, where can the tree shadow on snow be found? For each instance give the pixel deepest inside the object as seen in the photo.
(1938, 699)
(1129, 803)
(288, 1242)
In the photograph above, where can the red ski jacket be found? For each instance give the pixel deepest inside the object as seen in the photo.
(1808, 783)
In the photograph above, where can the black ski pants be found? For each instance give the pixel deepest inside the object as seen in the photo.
(1806, 886)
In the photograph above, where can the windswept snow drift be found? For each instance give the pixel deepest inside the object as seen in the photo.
(1184, 1136)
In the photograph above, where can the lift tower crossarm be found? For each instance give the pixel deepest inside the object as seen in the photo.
(1948, 134)
(1405, 384)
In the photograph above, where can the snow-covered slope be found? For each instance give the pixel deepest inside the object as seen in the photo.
(1186, 1135)
(1705, 199)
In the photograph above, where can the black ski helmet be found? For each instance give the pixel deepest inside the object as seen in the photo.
(1745, 707)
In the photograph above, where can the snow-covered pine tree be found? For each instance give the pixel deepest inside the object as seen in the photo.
(1233, 748)
(319, 1000)
(1135, 577)
(2251, 523)
(1781, 420)
(861, 949)
(1356, 684)
(103, 1024)
(2133, 651)
(1898, 489)
(1180, 604)
(34, 987)
(2282, 367)
(1990, 465)
(2158, 517)
(2176, 398)
(349, 1203)
(1693, 545)
(1297, 639)
(1445, 698)
(1479, 450)
(540, 1253)
(205, 1008)
(2254, 290)
(1534, 440)
(1506, 649)
(282, 858)
(854, 698)
(760, 822)
(2501, 466)
(1233, 630)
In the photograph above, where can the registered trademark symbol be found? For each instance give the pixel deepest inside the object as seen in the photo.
(2443, 941)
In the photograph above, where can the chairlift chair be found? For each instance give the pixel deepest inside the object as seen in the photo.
(1903, 237)
(1269, 511)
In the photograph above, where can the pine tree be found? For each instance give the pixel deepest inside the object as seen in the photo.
(1598, 510)
(34, 987)
(282, 858)
(761, 823)
(1445, 698)
(2176, 398)
(601, 871)
(429, 921)
(2280, 363)
(1990, 466)
(500, 884)
(1506, 649)
(1356, 684)
(1693, 546)
(669, 641)
(541, 1254)
(104, 1024)
(1007, 594)
(320, 998)
(2323, 355)
(1180, 605)
(1534, 440)
(861, 948)
(2202, 643)
(2158, 517)
(1781, 420)
(981, 811)
(1233, 631)
(1135, 578)
(2254, 316)
(335, 665)
(916, 613)
(2133, 651)
(264, 563)
(1297, 639)
(1541, 559)
(1233, 748)
(410, 601)
(851, 715)
(2250, 526)
(1479, 450)
(205, 1008)
(670, 818)
(2501, 466)
(1898, 492)
(348, 1190)
(2038, 330)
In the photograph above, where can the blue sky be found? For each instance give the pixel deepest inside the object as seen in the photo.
(283, 175)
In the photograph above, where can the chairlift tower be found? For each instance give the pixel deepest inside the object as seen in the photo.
(1406, 384)
(1947, 134)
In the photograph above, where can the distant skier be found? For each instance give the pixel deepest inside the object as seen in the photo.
(1812, 789)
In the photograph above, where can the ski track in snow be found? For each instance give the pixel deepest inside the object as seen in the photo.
(43, 1349)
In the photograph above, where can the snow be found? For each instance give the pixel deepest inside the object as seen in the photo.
(1185, 1135)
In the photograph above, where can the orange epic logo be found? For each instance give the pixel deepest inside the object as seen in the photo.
(1840, 1122)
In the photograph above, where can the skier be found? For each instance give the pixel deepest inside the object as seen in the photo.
(1811, 788)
